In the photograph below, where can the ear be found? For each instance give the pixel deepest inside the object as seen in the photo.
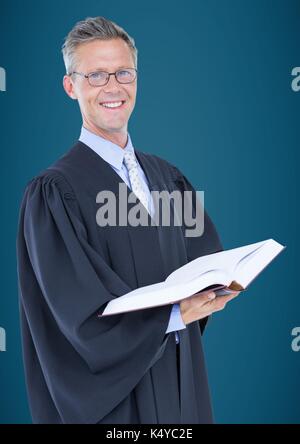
(69, 87)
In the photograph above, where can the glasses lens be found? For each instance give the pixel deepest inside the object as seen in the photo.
(98, 78)
(126, 75)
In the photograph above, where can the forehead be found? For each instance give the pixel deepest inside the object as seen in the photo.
(104, 54)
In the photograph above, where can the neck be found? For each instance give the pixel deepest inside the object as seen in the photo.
(118, 137)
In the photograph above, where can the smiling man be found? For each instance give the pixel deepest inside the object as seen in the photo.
(105, 107)
(145, 366)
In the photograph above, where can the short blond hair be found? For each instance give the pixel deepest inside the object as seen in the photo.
(93, 28)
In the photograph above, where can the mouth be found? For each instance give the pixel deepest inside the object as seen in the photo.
(111, 106)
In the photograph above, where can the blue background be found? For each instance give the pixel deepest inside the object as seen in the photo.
(214, 98)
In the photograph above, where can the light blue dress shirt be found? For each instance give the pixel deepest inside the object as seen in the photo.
(114, 154)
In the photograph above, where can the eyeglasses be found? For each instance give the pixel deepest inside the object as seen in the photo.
(101, 78)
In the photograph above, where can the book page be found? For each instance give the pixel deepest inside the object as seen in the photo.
(164, 294)
(246, 270)
(146, 289)
(223, 260)
(241, 264)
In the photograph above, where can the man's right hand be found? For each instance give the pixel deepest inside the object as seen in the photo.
(201, 305)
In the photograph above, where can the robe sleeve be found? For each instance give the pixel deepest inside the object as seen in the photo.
(73, 284)
(209, 242)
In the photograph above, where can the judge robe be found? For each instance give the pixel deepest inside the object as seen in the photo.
(82, 368)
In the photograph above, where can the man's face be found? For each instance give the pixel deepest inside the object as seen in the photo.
(109, 55)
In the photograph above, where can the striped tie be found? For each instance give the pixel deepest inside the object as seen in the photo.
(135, 180)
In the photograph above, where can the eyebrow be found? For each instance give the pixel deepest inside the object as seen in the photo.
(105, 69)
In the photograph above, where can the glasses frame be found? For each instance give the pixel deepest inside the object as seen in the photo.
(87, 76)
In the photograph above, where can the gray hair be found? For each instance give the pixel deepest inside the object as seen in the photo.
(93, 28)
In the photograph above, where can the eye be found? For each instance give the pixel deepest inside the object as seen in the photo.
(125, 76)
(123, 73)
(97, 75)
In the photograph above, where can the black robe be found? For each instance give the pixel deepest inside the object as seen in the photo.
(80, 368)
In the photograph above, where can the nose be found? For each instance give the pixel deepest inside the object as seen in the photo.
(112, 83)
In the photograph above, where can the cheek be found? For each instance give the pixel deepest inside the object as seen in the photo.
(132, 95)
(88, 99)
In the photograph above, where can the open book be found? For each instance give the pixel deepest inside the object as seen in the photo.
(234, 269)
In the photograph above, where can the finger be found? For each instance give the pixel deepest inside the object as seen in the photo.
(225, 298)
(220, 302)
(218, 305)
(231, 296)
(201, 299)
(207, 297)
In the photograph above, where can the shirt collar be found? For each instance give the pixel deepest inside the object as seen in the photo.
(109, 151)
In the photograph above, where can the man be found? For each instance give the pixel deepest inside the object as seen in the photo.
(145, 366)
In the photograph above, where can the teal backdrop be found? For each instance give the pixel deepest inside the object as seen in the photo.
(214, 98)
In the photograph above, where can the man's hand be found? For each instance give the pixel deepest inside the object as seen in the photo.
(200, 305)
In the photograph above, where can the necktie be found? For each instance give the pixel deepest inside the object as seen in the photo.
(135, 180)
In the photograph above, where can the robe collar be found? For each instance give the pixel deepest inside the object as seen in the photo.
(101, 176)
(109, 151)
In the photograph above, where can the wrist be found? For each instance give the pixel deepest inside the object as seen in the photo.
(183, 313)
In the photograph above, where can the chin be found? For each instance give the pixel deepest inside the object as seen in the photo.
(110, 126)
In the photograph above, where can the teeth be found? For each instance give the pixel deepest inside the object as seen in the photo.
(112, 105)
